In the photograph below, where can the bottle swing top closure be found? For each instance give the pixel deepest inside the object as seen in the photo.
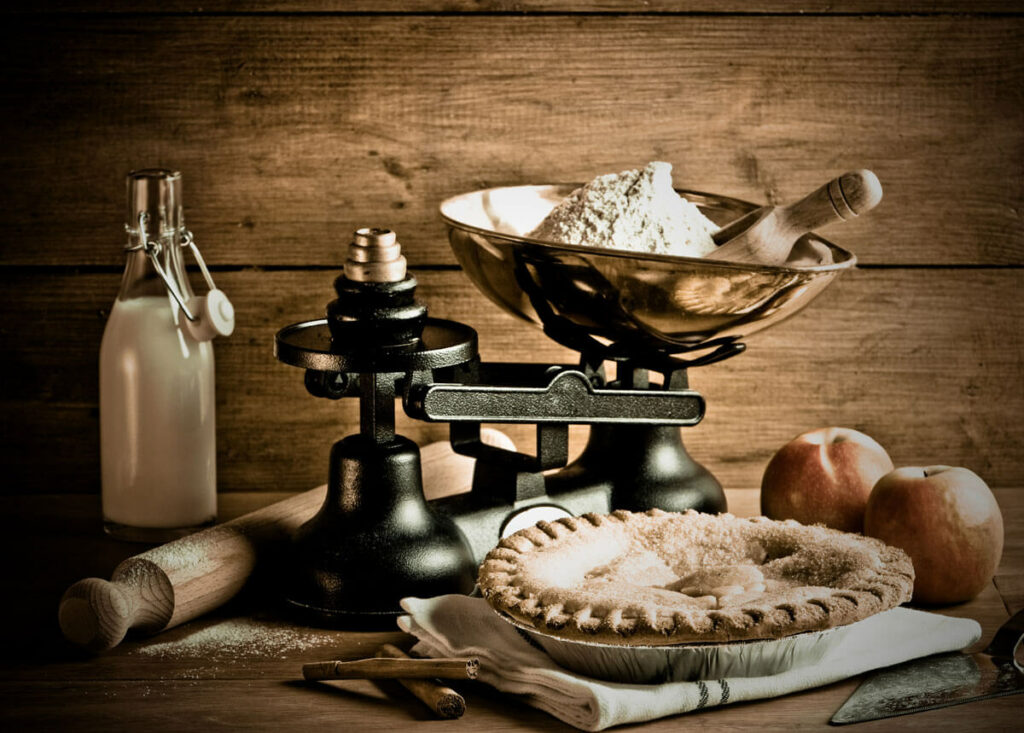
(207, 315)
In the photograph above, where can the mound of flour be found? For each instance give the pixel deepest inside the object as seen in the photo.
(636, 210)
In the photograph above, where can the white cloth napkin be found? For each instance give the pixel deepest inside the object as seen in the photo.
(455, 625)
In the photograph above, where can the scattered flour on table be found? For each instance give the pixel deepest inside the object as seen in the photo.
(239, 638)
(636, 210)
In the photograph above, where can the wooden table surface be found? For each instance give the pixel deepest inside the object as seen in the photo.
(175, 682)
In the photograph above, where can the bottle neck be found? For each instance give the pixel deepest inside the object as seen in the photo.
(141, 278)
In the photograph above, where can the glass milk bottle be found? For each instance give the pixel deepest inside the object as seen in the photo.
(157, 429)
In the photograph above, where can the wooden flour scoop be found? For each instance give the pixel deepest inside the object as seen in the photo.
(766, 235)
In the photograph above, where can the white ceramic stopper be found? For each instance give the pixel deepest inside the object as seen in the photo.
(215, 316)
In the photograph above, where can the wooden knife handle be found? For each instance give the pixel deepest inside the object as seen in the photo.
(842, 198)
(177, 582)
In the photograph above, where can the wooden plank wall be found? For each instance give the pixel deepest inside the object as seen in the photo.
(295, 123)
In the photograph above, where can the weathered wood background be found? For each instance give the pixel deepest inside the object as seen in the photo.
(295, 123)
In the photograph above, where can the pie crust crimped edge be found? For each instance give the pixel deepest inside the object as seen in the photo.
(879, 589)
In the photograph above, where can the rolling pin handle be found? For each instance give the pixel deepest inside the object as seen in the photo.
(95, 614)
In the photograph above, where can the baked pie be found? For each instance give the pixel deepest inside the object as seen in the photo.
(669, 578)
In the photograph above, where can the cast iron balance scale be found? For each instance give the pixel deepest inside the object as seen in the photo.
(376, 539)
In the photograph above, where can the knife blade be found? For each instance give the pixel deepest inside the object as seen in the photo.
(940, 680)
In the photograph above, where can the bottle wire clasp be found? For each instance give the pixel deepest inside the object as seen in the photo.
(152, 249)
(207, 316)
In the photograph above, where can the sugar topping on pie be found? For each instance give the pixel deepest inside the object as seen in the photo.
(669, 578)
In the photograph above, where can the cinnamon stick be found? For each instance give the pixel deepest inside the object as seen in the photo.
(444, 701)
(380, 668)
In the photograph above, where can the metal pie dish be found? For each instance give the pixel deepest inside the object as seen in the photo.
(645, 665)
(633, 303)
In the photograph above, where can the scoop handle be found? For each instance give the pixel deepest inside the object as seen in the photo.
(841, 199)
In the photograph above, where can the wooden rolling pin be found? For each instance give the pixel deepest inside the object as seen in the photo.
(177, 582)
(766, 235)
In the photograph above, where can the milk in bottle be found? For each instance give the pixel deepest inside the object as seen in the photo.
(157, 428)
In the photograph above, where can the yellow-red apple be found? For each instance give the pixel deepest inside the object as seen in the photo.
(824, 476)
(949, 523)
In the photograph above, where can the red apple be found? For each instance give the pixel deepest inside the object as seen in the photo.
(824, 476)
(949, 523)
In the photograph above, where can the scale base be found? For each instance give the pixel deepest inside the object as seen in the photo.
(374, 541)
